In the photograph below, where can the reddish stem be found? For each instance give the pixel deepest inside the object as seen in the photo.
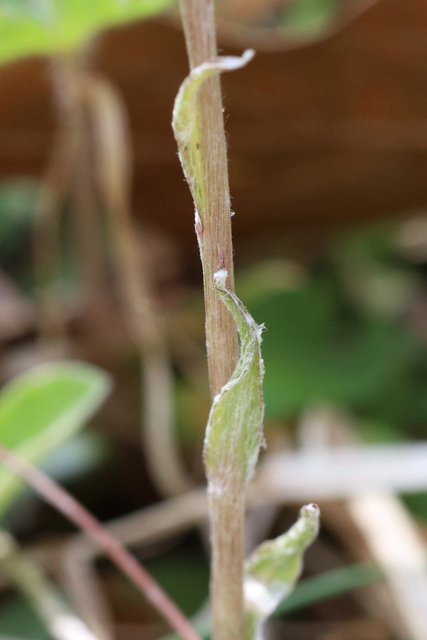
(83, 519)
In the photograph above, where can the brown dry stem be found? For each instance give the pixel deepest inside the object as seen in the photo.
(214, 237)
(214, 234)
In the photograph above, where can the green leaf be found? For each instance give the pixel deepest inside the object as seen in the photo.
(17, 202)
(326, 585)
(33, 27)
(42, 408)
(18, 621)
(234, 430)
(375, 277)
(273, 569)
(317, 351)
(308, 17)
(329, 584)
(186, 127)
(179, 566)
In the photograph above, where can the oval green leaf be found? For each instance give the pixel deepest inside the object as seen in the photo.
(43, 27)
(43, 408)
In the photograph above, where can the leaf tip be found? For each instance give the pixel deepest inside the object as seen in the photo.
(311, 511)
(247, 56)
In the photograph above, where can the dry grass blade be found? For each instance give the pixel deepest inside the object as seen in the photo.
(53, 193)
(387, 527)
(109, 124)
(397, 546)
(343, 471)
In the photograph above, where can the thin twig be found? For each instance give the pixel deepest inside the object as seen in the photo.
(397, 546)
(85, 207)
(82, 518)
(112, 144)
(51, 199)
(82, 583)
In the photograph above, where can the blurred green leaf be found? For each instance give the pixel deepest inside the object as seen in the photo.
(417, 504)
(329, 584)
(17, 201)
(375, 277)
(179, 567)
(77, 457)
(317, 351)
(42, 408)
(375, 431)
(307, 17)
(17, 619)
(326, 585)
(29, 27)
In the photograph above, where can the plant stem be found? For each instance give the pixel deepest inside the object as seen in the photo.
(227, 539)
(214, 231)
(214, 236)
(53, 193)
(84, 520)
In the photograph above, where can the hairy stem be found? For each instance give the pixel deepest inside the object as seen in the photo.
(227, 538)
(213, 228)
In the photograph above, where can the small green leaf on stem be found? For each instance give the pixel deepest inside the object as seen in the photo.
(273, 569)
(186, 126)
(234, 430)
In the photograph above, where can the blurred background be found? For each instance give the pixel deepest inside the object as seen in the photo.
(327, 140)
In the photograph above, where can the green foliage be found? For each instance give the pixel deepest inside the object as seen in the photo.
(317, 351)
(44, 407)
(186, 126)
(234, 431)
(336, 333)
(376, 279)
(17, 199)
(326, 585)
(417, 504)
(18, 620)
(78, 457)
(273, 569)
(33, 27)
(309, 17)
(329, 341)
(329, 584)
(182, 566)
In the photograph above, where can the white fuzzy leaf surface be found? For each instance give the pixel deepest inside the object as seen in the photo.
(186, 127)
(234, 430)
(273, 569)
